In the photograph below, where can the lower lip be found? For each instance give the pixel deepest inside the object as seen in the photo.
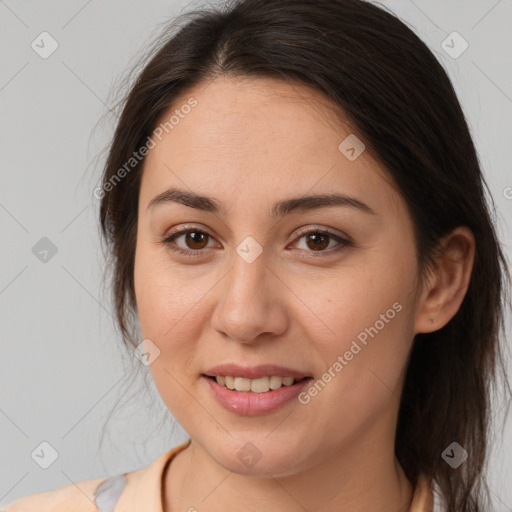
(253, 404)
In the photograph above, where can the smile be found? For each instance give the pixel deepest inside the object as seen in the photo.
(244, 401)
(261, 385)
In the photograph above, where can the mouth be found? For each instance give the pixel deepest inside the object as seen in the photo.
(256, 386)
(253, 397)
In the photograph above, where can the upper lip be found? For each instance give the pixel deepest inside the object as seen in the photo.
(255, 372)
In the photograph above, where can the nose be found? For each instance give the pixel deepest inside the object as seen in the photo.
(250, 302)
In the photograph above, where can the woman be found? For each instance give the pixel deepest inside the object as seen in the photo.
(296, 216)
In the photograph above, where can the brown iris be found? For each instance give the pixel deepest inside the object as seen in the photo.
(316, 237)
(196, 237)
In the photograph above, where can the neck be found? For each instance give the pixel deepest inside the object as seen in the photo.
(358, 479)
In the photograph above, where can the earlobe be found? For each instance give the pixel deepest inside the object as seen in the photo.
(451, 277)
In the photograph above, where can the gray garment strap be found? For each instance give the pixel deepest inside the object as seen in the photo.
(108, 492)
(437, 506)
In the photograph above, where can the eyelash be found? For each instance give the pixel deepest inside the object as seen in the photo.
(167, 241)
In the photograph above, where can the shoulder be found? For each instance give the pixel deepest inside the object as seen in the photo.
(136, 490)
(78, 495)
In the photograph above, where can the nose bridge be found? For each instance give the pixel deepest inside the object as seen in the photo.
(249, 274)
(246, 305)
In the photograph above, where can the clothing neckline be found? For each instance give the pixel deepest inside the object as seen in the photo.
(174, 452)
(422, 499)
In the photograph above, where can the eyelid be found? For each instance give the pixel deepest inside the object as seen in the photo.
(183, 228)
(321, 229)
(342, 240)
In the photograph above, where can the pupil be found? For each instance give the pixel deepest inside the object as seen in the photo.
(319, 241)
(191, 236)
(315, 238)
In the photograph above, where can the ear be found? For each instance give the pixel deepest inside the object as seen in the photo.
(445, 290)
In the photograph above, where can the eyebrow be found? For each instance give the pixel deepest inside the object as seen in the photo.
(280, 209)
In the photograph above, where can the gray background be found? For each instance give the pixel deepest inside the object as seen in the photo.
(62, 368)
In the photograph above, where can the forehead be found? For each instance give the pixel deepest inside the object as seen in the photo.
(243, 113)
(259, 137)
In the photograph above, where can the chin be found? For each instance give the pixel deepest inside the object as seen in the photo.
(258, 457)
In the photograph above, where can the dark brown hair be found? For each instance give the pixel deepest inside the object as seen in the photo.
(399, 100)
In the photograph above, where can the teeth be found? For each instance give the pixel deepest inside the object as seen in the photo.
(230, 382)
(275, 382)
(242, 384)
(261, 385)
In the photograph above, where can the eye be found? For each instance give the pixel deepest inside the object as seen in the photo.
(195, 240)
(316, 240)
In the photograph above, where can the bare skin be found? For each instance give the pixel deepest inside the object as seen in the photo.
(250, 143)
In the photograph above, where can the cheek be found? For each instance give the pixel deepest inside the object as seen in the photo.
(165, 298)
(167, 313)
(362, 362)
(167, 317)
(360, 296)
(367, 310)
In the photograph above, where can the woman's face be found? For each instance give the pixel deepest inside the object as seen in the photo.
(263, 286)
